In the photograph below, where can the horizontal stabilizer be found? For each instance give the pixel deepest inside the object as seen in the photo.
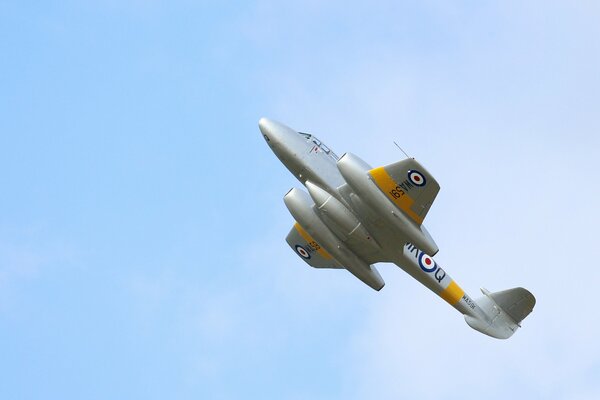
(502, 312)
(517, 303)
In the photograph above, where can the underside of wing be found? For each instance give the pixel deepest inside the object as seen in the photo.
(309, 250)
(409, 186)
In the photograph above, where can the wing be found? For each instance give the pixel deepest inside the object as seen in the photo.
(409, 186)
(309, 250)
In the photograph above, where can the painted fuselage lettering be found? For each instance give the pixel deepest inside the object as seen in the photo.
(412, 249)
(469, 302)
(439, 274)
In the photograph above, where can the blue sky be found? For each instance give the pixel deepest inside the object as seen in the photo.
(142, 249)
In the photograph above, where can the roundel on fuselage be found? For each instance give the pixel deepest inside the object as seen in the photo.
(427, 263)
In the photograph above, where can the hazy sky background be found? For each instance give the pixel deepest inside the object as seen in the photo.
(142, 226)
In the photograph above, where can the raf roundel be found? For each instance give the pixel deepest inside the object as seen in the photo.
(426, 262)
(416, 177)
(302, 251)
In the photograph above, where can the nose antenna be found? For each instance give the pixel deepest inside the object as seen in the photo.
(398, 146)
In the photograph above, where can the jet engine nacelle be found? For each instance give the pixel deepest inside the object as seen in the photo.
(355, 172)
(301, 207)
(339, 218)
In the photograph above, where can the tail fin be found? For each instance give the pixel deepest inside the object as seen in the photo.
(502, 312)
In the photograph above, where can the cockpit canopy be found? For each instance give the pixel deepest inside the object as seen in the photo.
(320, 144)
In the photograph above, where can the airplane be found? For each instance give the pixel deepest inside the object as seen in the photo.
(354, 216)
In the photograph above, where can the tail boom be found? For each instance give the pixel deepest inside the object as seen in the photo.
(497, 314)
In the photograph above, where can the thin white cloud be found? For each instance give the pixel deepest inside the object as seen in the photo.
(25, 257)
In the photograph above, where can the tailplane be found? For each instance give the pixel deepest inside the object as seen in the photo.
(502, 312)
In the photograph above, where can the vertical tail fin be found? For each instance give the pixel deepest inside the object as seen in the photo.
(503, 312)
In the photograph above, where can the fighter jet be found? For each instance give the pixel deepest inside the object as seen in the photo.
(354, 216)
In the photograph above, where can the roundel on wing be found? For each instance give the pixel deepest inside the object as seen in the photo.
(302, 252)
(416, 177)
(427, 263)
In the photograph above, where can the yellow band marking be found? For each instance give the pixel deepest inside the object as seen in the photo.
(452, 294)
(312, 242)
(394, 192)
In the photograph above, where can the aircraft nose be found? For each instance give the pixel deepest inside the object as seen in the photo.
(276, 134)
(287, 144)
(266, 128)
(263, 123)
